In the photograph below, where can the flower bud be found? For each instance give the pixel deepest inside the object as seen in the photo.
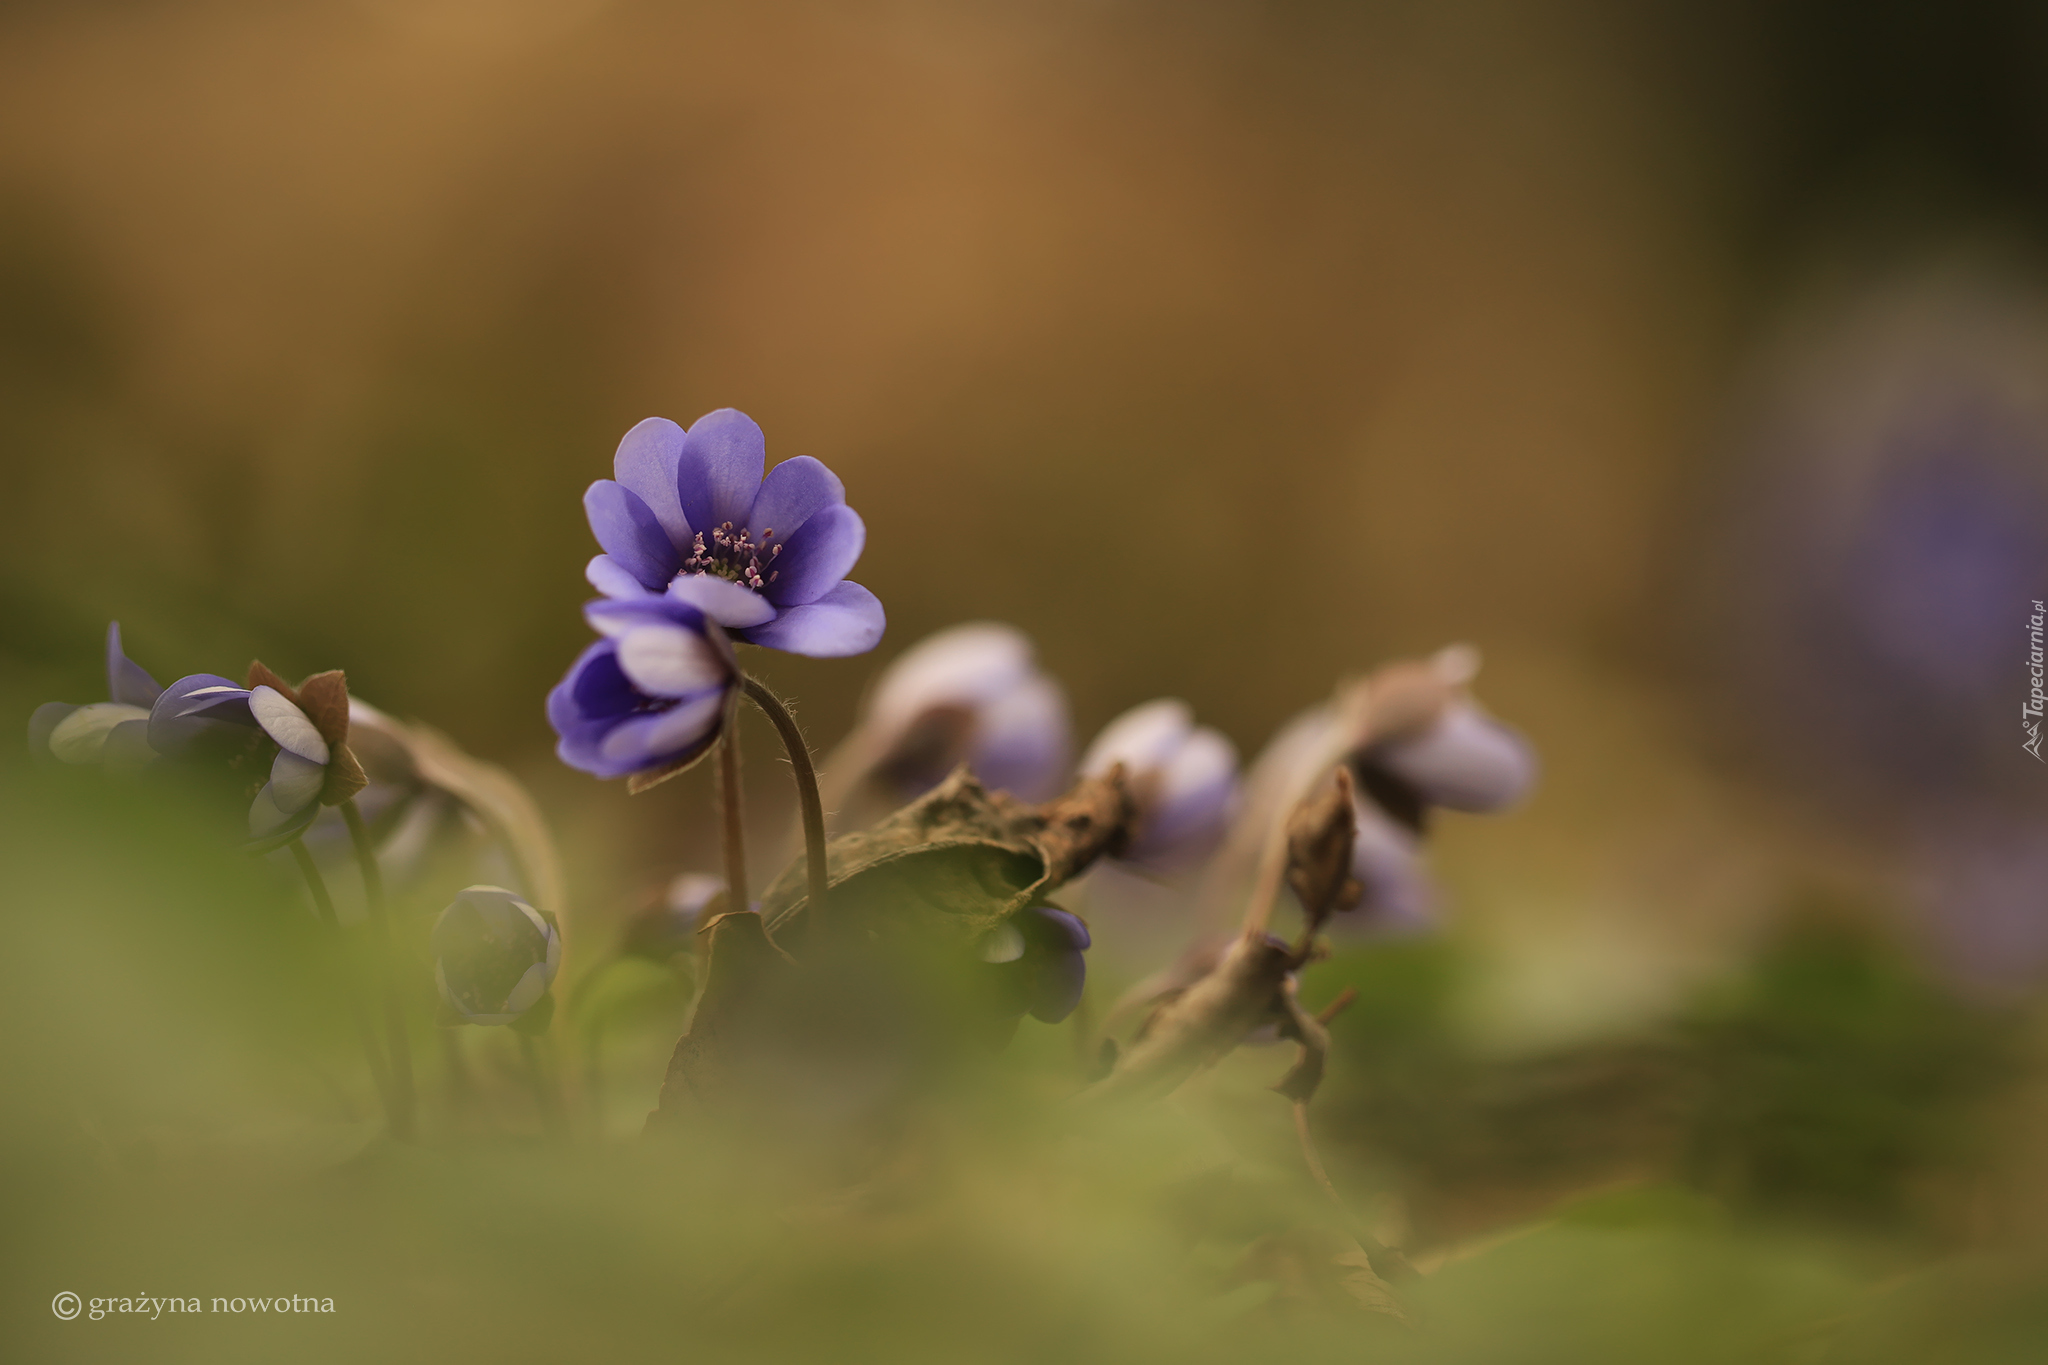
(494, 955)
(1036, 955)
(1183, 778)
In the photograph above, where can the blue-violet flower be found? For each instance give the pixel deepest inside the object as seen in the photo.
(649, 698)
(114, 732)
(691, 516)
(1183, 778)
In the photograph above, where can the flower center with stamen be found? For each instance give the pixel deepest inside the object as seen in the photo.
(730, 553)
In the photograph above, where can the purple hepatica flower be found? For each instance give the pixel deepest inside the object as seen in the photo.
(691, 516)
(972, 695)
(1037, 954)
(1460, 758)
(114, 732)
(207, 716)
(1184, 777)
(649, 696)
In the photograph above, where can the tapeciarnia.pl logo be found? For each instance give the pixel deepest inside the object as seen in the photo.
(2037, 700)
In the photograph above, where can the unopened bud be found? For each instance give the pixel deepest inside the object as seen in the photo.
(494, 955)
(1320, 834)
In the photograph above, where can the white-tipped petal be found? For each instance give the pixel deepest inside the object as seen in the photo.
(294, 781)
(669, 661)
(723, 600)
(266, 817)
(1004, 943)
(287, 724)
(968, 665)
(81, 737)
(1144, 739)
(1465, 761)
(531, 987)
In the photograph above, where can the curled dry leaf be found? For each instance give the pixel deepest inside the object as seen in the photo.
(959, 860)
(937, 874)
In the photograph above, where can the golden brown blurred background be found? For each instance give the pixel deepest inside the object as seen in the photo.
(1225, 349)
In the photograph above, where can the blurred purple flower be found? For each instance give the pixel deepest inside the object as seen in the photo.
(690, 515)
(1037, 955)
(1183, 776)
(114, 732)
(1460, 758)
(494, 955)
(971, 694)
(650, 695)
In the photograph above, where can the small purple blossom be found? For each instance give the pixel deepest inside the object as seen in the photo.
(972, 694)
(1183, 777)
(651, 694)
(1037, 955)
(690, 516)
(1459, 759)
(114, 732)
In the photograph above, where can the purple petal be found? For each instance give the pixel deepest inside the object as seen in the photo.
(598, 687)
(670, 661)
(196, 708)
(1465, 761)
(723, 600)
(1055, 926)
(1387, 860)
(126, 681)
(1022, 740)
(1193, 804)
(719, 472)
(646, 464)
(609, 577)
(1061, 972)
(968, 665)
(630, 533)
(793, 492)
(819, 556)
(1144, 739)
(846, 620)
(615, 617)
(647, 740)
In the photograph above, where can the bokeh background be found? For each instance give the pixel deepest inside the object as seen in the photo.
(1691, 360)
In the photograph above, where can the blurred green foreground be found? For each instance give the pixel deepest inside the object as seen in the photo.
(1815, 1163)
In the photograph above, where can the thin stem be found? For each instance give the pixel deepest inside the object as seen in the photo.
(544, 1096)
(398, 1036)
(366, 1036)
(1266, 890)
(806, 776)
(1387, 1262)
(730, 810)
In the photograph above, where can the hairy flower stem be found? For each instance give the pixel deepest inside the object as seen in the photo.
(366, 1036)
(806, 775)
(730, 809)
(398, 1037)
